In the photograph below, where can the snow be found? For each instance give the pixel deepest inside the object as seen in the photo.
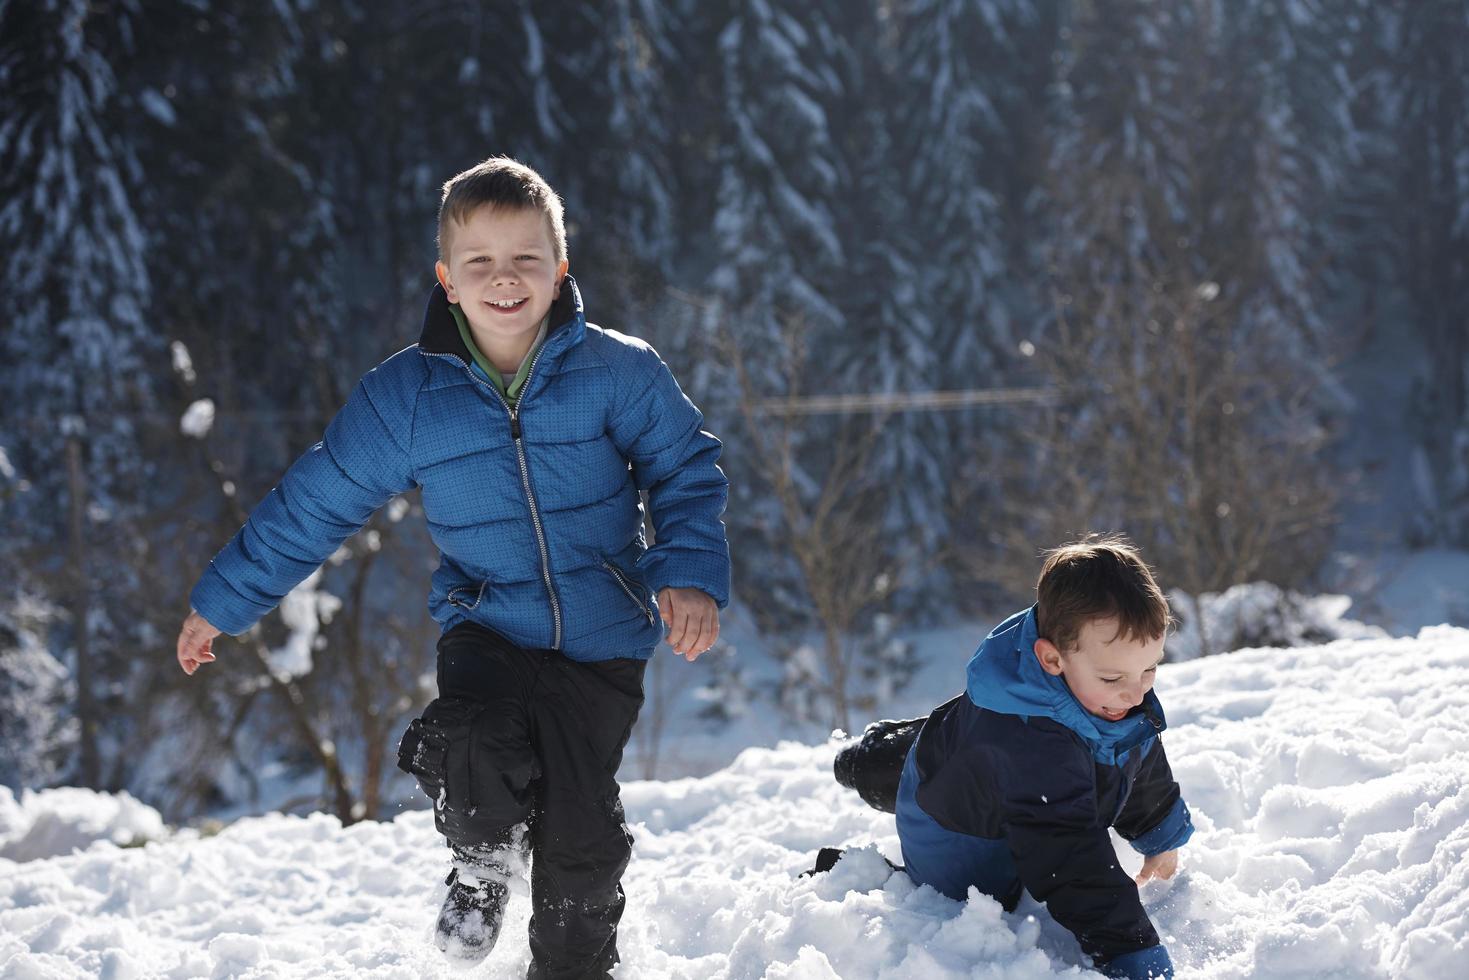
(397, 509)
(1258, 614)
(36, 733)
(198, 418)
(183, 362)
(304, 610)
(60, 821)
(1329, 785)
(156, 104)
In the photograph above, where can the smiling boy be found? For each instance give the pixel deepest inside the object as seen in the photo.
(531, 434)
(1014, 784)
(506, 273)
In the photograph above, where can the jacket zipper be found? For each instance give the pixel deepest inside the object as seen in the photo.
(479, 595)
(628, 589)
(530, 497)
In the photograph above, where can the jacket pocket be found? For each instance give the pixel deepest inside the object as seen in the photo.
(467, 596)
(634, 592)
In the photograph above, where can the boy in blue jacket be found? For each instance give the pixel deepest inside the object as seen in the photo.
(1015, 783)
(531, 433)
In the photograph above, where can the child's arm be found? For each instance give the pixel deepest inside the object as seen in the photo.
(660, 432)
(327, 495)
(1064, 854)
(1155, 820)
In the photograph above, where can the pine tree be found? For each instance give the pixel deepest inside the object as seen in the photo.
(779, 250)
(1187, 344)
(37, 731)
(622, 146)
(610, 70)
(77, 344)
(889, 342)
(965, 123)
(1283, 70)
(961, 66)
(817, 295)
(1421, 94)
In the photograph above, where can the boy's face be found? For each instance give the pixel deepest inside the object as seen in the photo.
(503, 273)
(1108, 674)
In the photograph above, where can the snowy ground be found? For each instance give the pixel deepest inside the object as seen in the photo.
(1330, 786)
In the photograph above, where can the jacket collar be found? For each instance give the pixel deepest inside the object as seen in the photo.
(1004, 676)
(567, 325)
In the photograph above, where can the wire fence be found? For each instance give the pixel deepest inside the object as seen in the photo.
(858, 404)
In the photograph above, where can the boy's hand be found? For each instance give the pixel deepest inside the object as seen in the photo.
(195, 640)
(1160, 866)
(692, 620)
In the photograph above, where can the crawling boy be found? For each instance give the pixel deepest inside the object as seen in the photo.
(531, 433)
(1015, 783)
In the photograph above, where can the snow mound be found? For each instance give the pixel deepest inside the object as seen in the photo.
(1259, 614)
(53, 822)
(1329, 785)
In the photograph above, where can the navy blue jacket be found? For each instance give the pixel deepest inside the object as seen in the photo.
(1018, 757)
(534, 508)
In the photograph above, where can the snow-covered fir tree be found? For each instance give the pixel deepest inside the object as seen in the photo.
(780, 179)
(1187, 348)
(1421, 89)
(1285, 69)
(897, 349)
(37, 731)
(957, 65)
(627, 140)
(964, 126)
(797, 318)
(76, 343)
(888, 345)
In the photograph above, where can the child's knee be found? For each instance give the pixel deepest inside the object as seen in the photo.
(476, 765)
(571, 830)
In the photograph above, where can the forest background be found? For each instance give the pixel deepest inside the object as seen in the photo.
(952, 279)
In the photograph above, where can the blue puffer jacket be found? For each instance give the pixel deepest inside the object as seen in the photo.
(1018, 758)
(534, 509)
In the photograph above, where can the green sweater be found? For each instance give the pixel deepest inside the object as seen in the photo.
(511, 391)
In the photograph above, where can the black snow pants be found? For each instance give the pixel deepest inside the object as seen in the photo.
(543, 757)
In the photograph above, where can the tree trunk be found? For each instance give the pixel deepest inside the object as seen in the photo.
(837, 665)
(79, 601)
(321, 747)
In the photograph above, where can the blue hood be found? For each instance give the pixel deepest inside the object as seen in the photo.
(1005, 677)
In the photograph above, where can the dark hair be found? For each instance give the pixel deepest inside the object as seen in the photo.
(1098, 577)
(499, 182)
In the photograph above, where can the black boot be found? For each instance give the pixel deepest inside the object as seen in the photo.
(470, 919)
(873, 764)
